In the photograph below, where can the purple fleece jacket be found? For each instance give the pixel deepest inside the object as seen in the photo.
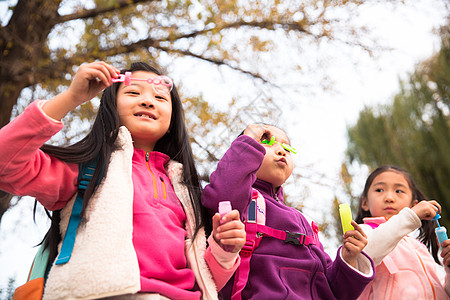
(279, 270)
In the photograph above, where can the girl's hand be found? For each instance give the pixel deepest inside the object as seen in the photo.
(87, 83)
(90, 80)
(258, 132)
(231, 234)
(426, 210)
(445, 253)
(354, 242)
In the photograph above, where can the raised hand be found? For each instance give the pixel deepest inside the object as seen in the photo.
(354, 242)
(259, 132)
(426, 210)
(89, 80)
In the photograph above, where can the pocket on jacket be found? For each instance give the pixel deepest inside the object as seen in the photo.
(297, 283)
(405, 284)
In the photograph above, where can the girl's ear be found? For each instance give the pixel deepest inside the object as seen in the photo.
(364, 204)
(414, 202)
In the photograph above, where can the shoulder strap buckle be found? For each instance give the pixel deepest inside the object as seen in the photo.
(294, 238)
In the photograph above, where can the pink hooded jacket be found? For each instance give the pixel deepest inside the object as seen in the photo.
(404, 267)
(108, 259)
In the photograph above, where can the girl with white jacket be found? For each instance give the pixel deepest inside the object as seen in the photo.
(392, 207)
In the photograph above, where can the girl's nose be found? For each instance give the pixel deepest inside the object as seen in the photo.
(147, 101)
(389, 197)
(280, 150)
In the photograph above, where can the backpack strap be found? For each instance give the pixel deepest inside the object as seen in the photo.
(288, 237)
(39, 267)
(86, 171)
(33, 289)
(255, 230)
(252, 241)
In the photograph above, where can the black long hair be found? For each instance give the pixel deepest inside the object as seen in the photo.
(427, 234)
(100, 142)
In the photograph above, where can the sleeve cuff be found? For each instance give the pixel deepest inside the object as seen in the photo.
(364, 265)
(226, 260)
(222, 264)
(40, 104)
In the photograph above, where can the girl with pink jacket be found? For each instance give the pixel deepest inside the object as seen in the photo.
(392, 207)
(143, 230)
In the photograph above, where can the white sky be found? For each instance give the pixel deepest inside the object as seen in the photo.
(317, 128)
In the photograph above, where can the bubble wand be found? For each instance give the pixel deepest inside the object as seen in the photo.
(160, 83)
(346, 217)
(441, 231)
(224, 208)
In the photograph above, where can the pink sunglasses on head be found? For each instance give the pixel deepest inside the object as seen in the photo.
(160, 84)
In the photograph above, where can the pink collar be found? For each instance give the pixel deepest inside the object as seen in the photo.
(157, 159)
(374, 222)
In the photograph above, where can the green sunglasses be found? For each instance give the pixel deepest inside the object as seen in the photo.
(285, 146)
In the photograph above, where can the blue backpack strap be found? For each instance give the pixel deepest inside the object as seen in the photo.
(86, 171)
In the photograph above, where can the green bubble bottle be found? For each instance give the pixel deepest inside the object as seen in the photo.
(346, 217)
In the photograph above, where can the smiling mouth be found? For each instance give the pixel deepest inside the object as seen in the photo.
(145, 116)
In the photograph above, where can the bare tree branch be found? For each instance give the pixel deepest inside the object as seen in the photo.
(90, 13)
(142, 44)
(211, 156)
(217, 62)
(268, 24)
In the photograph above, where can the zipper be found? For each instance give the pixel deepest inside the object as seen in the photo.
(155, 191)
(164, 187)
(276, 198)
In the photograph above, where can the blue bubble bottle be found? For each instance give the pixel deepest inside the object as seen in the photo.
(441, 231)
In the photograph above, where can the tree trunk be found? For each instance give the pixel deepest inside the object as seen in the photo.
(5, 202)
(11, 92)
(23, 47)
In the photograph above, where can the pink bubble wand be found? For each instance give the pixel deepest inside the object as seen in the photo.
(160, 83)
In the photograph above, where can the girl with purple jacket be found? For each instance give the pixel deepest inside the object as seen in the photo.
(287, 261)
